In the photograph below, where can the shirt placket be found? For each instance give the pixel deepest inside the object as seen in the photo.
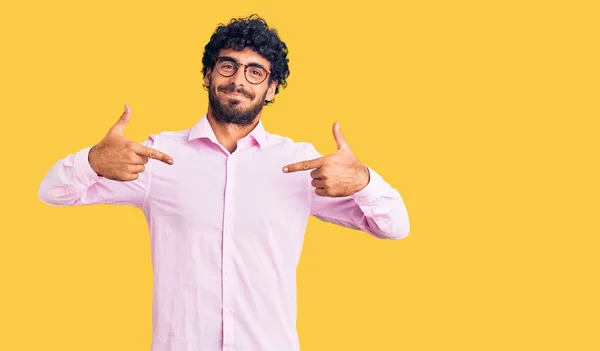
(226, 272)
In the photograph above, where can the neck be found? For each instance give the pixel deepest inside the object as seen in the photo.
(228, 134)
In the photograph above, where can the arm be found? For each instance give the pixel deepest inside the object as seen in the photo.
(72, 181)
(350, 194)
(111, 172)
(377, 209)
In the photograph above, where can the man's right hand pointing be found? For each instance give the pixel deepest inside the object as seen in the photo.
(119, 158)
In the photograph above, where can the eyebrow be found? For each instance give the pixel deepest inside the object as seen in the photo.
(251, 64)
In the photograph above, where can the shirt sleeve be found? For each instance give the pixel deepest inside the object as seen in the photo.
(377, 209)
(72, 181)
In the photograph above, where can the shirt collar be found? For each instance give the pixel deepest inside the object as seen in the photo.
(202, 129)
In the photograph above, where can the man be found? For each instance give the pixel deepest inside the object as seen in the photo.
(227, 203)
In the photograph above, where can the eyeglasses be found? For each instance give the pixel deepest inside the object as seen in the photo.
(227, 67)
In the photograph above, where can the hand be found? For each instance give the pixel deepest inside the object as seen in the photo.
(336, 175)
(119, 158)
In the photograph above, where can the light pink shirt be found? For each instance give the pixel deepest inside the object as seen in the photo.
(226, 231)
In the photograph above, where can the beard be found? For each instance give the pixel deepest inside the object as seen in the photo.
(230, 111)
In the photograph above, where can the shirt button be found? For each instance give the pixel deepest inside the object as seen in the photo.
(226, 272)
(228, 311)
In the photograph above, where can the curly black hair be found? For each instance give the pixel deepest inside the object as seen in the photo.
(254, 33)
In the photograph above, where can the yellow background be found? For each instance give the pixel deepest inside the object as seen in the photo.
(483, 114)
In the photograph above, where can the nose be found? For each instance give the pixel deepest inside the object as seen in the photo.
(238, 78)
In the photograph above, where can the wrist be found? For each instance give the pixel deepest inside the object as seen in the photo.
(364, 177)
(91, 160)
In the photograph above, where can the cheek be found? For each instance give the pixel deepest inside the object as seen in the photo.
(264, 94)
(208, 79)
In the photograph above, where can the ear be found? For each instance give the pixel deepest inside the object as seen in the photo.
(271, 90)
(207, 77)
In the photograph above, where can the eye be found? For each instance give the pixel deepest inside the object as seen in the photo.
(256, 72)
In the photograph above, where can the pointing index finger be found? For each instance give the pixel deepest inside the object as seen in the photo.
(155, 154)
(304, 165)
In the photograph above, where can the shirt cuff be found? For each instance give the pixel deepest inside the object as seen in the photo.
(84, 172)
(374, 189)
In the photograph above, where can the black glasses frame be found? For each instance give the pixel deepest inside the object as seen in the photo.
(237, 66)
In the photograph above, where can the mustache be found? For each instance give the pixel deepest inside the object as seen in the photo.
(231, 88)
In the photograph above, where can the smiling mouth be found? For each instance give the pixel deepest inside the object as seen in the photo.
(234, 94)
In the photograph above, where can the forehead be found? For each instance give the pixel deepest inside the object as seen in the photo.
(245, 56)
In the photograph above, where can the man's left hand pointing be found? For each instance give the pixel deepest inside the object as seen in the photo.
(336, 175)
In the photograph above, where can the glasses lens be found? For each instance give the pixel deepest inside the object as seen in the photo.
(226, 67)
(255, 74)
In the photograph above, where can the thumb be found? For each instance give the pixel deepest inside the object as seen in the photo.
(119, 127)
(339, 138)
